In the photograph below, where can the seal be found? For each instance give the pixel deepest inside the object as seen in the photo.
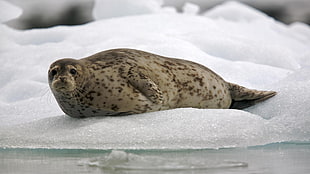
(127, 81)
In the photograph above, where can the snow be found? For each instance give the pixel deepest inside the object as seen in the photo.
(10, 11)
(112, 8)
(241, 44)
(190, 8)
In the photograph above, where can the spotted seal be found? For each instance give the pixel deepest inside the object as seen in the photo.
(127, 81)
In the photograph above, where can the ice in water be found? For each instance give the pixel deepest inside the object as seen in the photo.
(121, 160)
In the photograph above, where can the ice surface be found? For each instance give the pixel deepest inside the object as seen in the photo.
(180, 128)
(247, 48)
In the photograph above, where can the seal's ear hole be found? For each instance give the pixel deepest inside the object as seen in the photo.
(73, 71)
(54, 72)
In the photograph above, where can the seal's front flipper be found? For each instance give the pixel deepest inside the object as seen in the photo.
(146, 86)
(243, 97)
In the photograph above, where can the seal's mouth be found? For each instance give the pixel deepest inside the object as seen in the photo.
(63, 86)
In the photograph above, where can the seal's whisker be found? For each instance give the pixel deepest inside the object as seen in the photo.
(79, 91)
(46, 93)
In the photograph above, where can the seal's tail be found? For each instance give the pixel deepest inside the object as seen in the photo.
(243, 97)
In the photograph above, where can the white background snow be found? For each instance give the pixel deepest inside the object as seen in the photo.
(238, 42)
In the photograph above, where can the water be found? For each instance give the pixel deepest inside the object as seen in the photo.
(284, 158)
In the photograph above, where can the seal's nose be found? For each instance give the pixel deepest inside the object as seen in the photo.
(62, 79)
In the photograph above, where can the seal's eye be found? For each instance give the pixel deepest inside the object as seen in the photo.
(54, 72)
(72, 71)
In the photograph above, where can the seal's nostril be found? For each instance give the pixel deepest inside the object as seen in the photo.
(62, 79)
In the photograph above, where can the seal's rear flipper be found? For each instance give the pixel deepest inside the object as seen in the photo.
(243, 97)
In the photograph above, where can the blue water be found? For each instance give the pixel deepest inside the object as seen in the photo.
(279, 158)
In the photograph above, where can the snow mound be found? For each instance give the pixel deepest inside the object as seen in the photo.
(8, 11)
(236, 12)
(190, 8)
(117, 8)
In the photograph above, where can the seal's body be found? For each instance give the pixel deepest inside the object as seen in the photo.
(127, 81)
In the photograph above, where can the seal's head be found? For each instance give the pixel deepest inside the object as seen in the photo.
(65, 75)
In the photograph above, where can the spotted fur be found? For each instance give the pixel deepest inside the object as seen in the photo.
(127, 81)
